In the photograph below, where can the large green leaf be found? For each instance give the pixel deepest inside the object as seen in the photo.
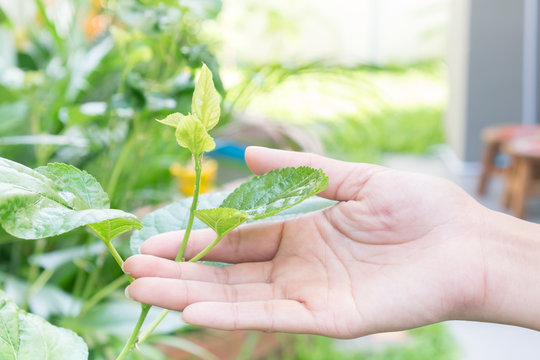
(82, 189)
(9, 329)
(25, 336)
(53, 200)
(191, 134)
(268, 194)
(12, 173)
(263, 196)
(206, 100)
(174, 216)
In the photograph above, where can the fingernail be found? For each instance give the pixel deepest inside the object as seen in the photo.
(126, 292)
(124, 269)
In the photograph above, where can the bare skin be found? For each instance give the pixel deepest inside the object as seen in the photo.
(400, 250)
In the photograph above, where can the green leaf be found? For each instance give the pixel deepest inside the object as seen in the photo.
(12, 173)
(191, 134)
(26, 336)
(174, 216)
(206, 100)
(110, 229)
(222, 220)
(172, 120)
(41, 340)
(9, 329)
(53, 200)
(80, 189)
(268, 194)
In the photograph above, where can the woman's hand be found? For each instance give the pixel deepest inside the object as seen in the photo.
(399, 250)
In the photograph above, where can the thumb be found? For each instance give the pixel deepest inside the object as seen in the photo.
(346, 179)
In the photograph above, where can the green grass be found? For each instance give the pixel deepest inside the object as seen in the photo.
(396, 130)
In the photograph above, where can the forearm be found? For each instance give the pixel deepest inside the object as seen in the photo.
(511, 258)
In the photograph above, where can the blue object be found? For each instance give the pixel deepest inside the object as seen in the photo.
(230, 149)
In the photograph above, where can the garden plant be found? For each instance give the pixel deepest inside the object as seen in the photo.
(57, 198)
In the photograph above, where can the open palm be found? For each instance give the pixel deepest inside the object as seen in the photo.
(390, 255)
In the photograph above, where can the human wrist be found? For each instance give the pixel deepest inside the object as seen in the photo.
(510, 253)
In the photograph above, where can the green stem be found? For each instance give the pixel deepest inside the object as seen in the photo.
(33, 273)
(153, 326)
(102, 293)
(130, 345)
(112, 250)
(207, 249)
(94, 276)
(41, 281)
(48, 23)
(197, 159)
(119, 167)
(79, 282)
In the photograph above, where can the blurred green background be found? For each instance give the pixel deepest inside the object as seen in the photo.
(81, 82)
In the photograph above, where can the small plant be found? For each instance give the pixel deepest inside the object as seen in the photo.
(58, 198)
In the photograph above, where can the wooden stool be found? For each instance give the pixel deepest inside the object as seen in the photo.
(524, 173)
(493, 139)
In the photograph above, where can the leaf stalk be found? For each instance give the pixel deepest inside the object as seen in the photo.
(130, 345)
(197, 160)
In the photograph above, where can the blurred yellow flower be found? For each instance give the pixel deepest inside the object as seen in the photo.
(185, 176)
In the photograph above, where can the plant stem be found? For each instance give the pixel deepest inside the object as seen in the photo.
(197, 159)
(116, 256)
(48, 23)
(93, 278)
(153, 326)
(130, 345)
(112, 250)
(119, 167)
(207, 249)
(33, 273)
(98, 296)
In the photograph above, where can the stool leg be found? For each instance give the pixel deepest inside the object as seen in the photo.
(522, 181)
(509, 177)
(488, 165)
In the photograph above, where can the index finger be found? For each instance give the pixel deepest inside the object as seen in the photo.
(346, 179)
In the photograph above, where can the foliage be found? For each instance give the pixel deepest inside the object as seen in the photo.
(175, 215)
(261, 197)
(83, 89)
(27, 336)
(94, 94)
(264, 196)
(55, 199)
